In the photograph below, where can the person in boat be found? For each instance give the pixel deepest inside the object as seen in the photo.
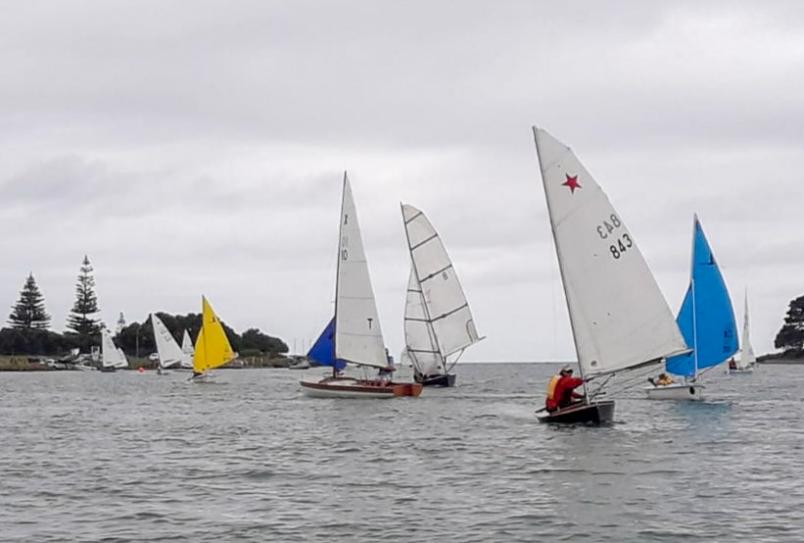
(662, 381)
(563, 390)
(732, 364)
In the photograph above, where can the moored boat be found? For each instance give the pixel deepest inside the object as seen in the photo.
(620, 320)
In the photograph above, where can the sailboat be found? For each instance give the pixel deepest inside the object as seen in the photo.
(620, 320)
(187, 350)
(747, 359)
(706, 319)
(438, 321)
(170, 354)
(356, 335)
(212, 348)
(112, 358)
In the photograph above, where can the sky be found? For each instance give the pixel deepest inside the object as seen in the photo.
(199, 148)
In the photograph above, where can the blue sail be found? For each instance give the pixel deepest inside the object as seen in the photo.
(706, 317)
(323, 350)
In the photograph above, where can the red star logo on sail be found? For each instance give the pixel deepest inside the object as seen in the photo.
(572, 183)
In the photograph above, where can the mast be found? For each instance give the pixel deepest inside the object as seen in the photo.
(561, 269)
(694, 309)
(427, 316)
(337, 271)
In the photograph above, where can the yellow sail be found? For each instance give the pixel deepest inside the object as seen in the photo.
(212, 347)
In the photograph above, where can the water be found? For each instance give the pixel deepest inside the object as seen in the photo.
(130, 457)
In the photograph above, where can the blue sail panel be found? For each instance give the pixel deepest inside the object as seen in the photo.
(706, 318)
(323, 350)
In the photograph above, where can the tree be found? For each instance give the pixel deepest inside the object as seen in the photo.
(791, 336)
(86, 304)
(253, 339)
(29, 312)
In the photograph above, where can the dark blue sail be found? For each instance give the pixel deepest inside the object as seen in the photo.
(323, 350)
(706, 317)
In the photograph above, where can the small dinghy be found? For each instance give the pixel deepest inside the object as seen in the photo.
(619, 317)
(706, 320)
(212, 348)
(354, 335)
(170, 354)
(745, 365)
(438, 321)
(112, 358)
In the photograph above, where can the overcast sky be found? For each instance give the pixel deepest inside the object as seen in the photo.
(198, 148)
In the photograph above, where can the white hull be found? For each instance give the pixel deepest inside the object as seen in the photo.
(739, 371)
(678, 391)
(203, 378)
(341, 388)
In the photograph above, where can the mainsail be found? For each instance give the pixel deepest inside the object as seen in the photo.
(358, 336)
(212, 348)
(420, 344)
(706, 317)
(619, 317)
(747, 358)
(111, 356)
(187, 350)
(438, 321)
(170, 354)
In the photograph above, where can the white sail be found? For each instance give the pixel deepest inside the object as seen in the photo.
(619, 316)
(187, 350)
(358, 336)
(747, 358)
(170, 354)
(111, 356)
(445, 302)
(421, 349)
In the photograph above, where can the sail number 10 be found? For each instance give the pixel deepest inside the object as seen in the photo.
(618, 245)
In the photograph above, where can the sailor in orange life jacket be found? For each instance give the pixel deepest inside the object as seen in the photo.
(561, 390)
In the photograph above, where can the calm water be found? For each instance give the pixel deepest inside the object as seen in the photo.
(130, 457)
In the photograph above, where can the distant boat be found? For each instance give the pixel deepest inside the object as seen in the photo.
(706, 319)
(355, 331)
(212, 348)
(112, 358)
(170, 354)
(188, 350)
(747, 359)
(620, 320)
(438, 321)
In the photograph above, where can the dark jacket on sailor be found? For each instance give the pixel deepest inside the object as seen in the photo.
(565, 390)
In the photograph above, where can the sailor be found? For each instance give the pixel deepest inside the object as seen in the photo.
(565, 389)
(662, 381)
(551, 402)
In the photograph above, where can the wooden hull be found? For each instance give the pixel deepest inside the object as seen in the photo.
(677, 392)
(345, 387)
(592, 413)
(441, 380)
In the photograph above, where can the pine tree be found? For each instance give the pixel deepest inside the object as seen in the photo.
(791, 335)
(86, 305)
(29, 312)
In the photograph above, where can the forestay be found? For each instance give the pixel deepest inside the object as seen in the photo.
(619, 317)
(111, 356)
(706, 317)
(420, 344)
(358, 336)
(445, 304)
(169, 352)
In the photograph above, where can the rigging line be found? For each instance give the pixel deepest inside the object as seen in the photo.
(630, 382)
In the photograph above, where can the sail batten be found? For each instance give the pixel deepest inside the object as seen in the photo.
(619, 316)
(358, 336)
